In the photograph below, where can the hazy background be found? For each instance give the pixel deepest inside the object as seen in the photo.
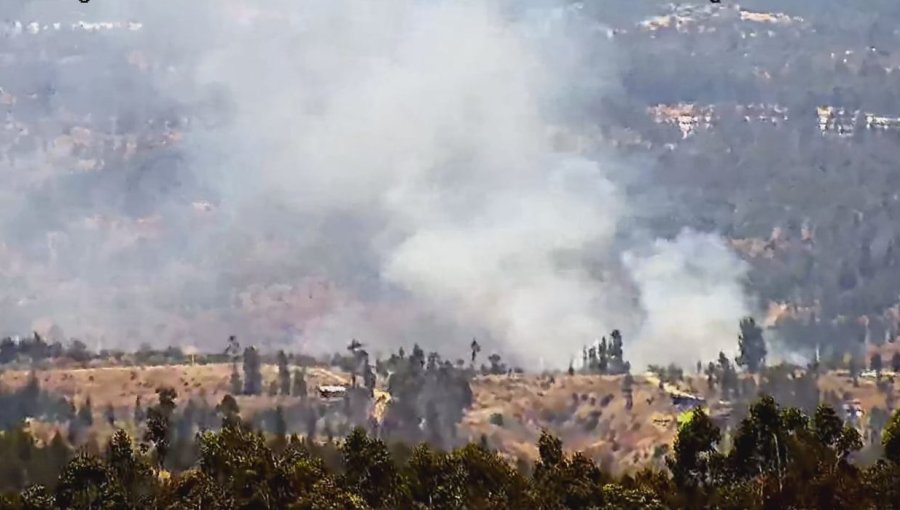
(398, 172)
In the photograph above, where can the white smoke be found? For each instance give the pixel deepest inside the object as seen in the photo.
(403, 150)
(691, 293)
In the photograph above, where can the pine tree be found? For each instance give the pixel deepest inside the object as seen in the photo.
(853, 368)
(628, 390)
(616, 353)
(876, 364)
(237, 386)
(728, 375)
(86, 413)
(752, 346)
(280, 424)
(159, 423)
(139, 414)
(711, 376)
(30, 395)
(252, 372)
(299, 387)
(284, 374)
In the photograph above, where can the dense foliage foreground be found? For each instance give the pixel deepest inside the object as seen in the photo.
(776, 458)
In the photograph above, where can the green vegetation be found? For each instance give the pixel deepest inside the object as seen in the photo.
(778, 458)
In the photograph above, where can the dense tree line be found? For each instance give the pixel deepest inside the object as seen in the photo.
(778, 457)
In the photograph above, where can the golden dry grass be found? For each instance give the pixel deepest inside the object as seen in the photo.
(565, 405)
(586, 411)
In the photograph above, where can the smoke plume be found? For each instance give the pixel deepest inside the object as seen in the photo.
(385, 171)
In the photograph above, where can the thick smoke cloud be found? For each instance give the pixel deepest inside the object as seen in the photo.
(691, 292)
(391, 165)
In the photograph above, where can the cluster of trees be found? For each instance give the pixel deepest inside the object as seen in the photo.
(778, 457)
(35, 349)
(251, 383)
(605, 357)
(31, 401)
(429, 396)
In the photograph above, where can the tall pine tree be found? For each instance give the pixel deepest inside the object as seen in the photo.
(284, 374)
(752, 346)
(252, 372)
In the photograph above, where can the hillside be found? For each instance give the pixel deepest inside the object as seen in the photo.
(588, 412)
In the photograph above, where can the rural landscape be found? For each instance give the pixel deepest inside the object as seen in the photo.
(449, 255)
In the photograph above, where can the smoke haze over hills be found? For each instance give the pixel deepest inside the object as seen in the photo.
(391, 166)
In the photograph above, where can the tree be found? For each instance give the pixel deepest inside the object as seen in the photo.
(760, 444)
(233, 348)
(695, 461)
(728, 378)
(370, 471)
(875, 364)
(229, 411)
(284, 374)
(86, 483)
(563, 482)
(86, 413)
(30, 395)
(436, 479)
(895, 362)
(476, 348)
(35, 497)
(130, 470)
(159, 420)
(752, 346)
(497, 366)
(615, 353)
(237, 386)
(78, 351)
(832, 433)
(890, 438)
(628, 390)
(280, 424)
(711, 376)
(853, 369)
(299, 387)
(252, 372)
(8, 350)
(139, 414)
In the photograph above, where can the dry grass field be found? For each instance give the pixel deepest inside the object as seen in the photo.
(120, 386)
(586, 411)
